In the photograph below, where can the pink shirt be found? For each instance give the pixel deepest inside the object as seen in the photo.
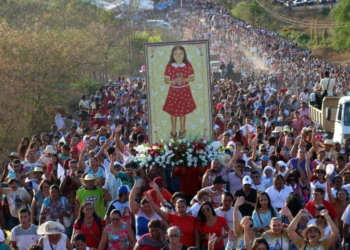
(299, 124)
(307, 121)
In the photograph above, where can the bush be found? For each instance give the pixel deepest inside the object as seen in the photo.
(325, 11)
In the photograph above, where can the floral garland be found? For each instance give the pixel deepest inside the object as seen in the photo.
(180, 152)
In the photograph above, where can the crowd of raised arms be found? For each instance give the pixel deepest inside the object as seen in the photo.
(77, 186)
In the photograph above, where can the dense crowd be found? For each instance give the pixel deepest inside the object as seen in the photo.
(283, 186)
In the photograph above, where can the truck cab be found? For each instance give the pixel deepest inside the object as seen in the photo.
(342, 119)
(334, 117)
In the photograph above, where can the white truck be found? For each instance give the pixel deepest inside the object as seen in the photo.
(334, 117)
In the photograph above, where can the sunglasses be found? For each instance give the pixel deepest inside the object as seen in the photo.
(319, 217)
(263, 150)
(291, 180)
(174, 236)
(320, 172)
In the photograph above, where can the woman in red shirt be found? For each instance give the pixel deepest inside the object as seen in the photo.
(89, 224)
(181, 219)
(208, 223)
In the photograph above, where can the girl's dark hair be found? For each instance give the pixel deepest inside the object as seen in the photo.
(294, 203)
(347, 194)
(200, 216)
(320, 208)
(81, 213)
(177, 195)
(43, 182)
(172, 60)
(154, 223)
(258, 241)
(79, 236)
(258, 205)
(229, 195)
(115, 211)
(55, 187)
(144, 201)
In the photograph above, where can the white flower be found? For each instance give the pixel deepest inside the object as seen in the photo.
(179, 141)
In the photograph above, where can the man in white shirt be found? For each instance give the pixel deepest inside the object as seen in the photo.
(258, 184)
(278, 193)
(226, 211)
(327, 82)
(24, 235)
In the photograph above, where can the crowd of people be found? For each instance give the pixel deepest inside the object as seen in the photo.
(285, 185)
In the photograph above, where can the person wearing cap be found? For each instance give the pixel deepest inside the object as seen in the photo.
(129, 177)
(318, 179)
(121, 204)
(279, 192)
(24, 234)
(312, 235)
(17, 198)
(327, 146)
(74, 155)
(112, 183)
(159, 192)
(215, 191)
(54, 237)
(249, 195)
(33, 184)
(93, 194)
(98, 122)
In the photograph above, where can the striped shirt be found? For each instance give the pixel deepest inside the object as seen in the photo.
(24, 237)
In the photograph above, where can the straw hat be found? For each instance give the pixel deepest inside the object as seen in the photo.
(88, 177)
(13, 155)
(328, 142)
(50, 227)
(38, 169)
(304, 232)
(321, 167)
(98, 116)
(277, 129)
(49, 150)
(224, 159)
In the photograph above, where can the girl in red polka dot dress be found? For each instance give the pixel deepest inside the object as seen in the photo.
(179, 102)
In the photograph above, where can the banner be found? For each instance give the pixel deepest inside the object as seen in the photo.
(178, 88)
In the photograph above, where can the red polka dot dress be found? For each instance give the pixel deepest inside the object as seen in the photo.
(179, 101)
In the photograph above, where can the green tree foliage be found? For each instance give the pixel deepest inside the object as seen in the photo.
(48, 50)
(341, 16)
(251, 12)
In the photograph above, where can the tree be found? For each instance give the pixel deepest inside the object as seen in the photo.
(341, 16)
